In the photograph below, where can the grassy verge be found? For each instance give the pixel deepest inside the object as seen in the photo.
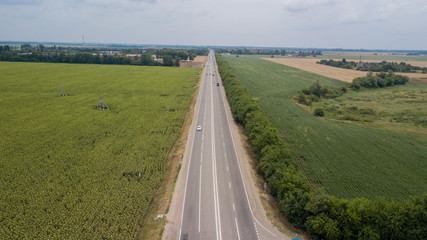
(155, 220)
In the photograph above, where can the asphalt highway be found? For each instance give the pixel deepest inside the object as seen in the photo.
(215, 203)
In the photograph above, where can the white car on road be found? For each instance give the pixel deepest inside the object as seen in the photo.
(199, 128)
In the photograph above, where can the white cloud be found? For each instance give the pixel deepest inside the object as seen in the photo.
(304, 5)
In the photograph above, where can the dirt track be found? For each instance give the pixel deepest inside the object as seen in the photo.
(346, 75)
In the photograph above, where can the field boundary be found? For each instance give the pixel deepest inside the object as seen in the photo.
(155, 220)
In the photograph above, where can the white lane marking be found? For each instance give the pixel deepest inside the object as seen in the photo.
(256, 230)
(189, 163)
(200, 192)
(201, 152)
(204, 116)
(227, 168)
(237, 228)
(229, 184)
(215, 179)
(234, 209)
(240, 169)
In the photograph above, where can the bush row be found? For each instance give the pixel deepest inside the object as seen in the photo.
(383, 66)
(379, 80)
(308, 208)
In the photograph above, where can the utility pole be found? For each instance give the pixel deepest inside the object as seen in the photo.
(62, 93)
(139, 161)
(164, 113)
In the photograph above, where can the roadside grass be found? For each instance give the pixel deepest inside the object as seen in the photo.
(156, 219)
(400, 107)
(70, 170)
(348, 160)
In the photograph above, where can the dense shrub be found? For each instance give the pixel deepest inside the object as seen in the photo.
(383, 66)
(378, 80)
(319, 112)
(316, 92)
(321, 215)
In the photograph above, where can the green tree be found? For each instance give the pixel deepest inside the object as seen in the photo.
(167, 60)
(26, 47)
(145, 59)
(41, 47)
(319, 112)
(176, 61)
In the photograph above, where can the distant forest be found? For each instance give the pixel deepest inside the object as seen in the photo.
(54, 54)
(383, 66)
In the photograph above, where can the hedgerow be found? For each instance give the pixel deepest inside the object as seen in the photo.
(309, 208)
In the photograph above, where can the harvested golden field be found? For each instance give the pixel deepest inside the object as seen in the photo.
(201, 59)
(346, 75)
(196, 63)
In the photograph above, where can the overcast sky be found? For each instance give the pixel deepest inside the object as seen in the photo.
(368, 24)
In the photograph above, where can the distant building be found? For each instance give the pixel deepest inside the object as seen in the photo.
(111, 52)
(363, 65)
(132, 56)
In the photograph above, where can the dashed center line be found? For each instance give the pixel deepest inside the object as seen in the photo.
(256, 230)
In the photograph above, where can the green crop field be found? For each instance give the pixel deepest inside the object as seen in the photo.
(69, 170)
(347, 160)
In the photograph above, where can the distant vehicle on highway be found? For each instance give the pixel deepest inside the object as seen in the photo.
(199, 128)
(217, 84)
